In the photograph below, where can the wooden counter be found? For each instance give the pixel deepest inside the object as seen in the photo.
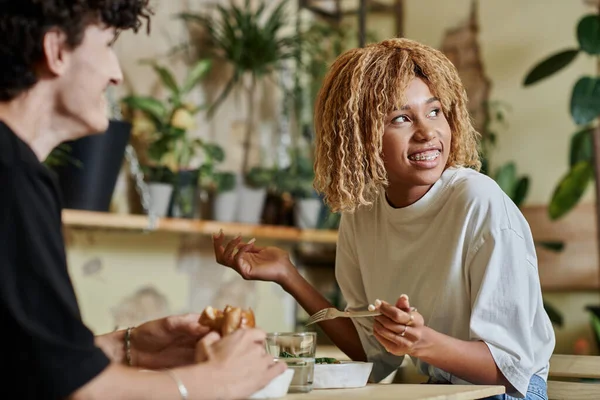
(402, 392)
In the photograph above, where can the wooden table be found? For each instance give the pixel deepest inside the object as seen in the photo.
(401, 392)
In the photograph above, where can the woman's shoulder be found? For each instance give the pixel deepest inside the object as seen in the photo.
(481, 198)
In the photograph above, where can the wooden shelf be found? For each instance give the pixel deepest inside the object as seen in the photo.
(90, 220)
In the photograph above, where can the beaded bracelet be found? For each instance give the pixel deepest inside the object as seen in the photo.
(128, 346)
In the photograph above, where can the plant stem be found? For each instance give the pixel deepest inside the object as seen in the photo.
(249, 125)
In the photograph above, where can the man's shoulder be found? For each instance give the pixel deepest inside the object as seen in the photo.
(13, 151)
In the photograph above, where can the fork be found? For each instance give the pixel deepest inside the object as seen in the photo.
(331, 313)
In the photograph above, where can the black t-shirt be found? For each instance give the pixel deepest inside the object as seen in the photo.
(49, 352)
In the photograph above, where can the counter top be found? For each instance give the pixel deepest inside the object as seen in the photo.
(401, 392)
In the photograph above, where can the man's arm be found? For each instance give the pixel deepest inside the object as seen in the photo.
(113, 345)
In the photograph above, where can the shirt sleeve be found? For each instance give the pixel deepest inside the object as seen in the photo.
(505, 292)
(37, 300)
(349, 278)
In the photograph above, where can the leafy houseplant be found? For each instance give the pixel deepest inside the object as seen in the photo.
(170, 150)
(584, 158)
(584, 109)
(252, 41)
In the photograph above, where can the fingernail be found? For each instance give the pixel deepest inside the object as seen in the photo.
(371, 307)
(251, 240)
(377, 303)
(239, 235)
(405, 296)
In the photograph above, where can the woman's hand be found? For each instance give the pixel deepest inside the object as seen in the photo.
(400, 328)
(253, 263)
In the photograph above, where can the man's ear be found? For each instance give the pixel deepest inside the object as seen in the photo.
(55, 51)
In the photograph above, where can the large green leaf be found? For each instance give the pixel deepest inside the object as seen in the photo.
(554, 315)
(595, 321)
(585, 100)
(550, 65)
(588, 34)
(520, 191)
(582, 146)
(551, 245)
(167, 79)
(154, 108)
(214, 152)
(197, 72)
(569, 190)
(506, 177)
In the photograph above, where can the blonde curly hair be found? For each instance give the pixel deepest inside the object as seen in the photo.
(360, 89)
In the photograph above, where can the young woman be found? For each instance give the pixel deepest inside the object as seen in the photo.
(396, 154)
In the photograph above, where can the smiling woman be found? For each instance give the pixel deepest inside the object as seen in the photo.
(367, 92)
(397, 154)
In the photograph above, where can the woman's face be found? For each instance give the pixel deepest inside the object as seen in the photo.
(416, 139)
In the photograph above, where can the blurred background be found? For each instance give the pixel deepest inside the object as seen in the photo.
(212, 129)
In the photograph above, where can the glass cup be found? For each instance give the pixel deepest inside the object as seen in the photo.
(297, 350)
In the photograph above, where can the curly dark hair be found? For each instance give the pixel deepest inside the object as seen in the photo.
(23, 24)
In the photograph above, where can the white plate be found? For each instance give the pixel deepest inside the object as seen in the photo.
(347, 374)
(277, 388)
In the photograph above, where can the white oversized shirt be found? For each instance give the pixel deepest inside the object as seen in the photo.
(465, 256)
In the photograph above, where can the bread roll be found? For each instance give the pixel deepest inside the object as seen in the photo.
(227, 321)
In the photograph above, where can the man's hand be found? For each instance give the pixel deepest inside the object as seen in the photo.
(167, 342)
(240, 360)
(162, 343)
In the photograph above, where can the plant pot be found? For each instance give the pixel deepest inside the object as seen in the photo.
(278, 209)
(250, 208)
(184, 202)
(160, 198)
(307, 213)
(90, 185)
(225, 205)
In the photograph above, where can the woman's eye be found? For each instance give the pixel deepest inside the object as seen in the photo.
(434, 113)
(400, 119)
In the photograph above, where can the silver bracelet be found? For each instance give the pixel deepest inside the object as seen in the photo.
(183, 392)
(128, 346)
(180, 386)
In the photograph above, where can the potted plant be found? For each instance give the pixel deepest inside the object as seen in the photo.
(88, 168)
(225, 196)
(252, 40)
(170, 150)
(253, 192)
(584, 160)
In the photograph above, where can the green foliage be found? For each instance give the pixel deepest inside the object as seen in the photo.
(584, 109)
(550, 66)
(554, 315)
(259, 177)
(570, 188)
(61, 155)
(169, 144)
(251, 39)
(225, 181)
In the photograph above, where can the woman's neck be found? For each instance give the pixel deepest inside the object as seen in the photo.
(399, 196)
